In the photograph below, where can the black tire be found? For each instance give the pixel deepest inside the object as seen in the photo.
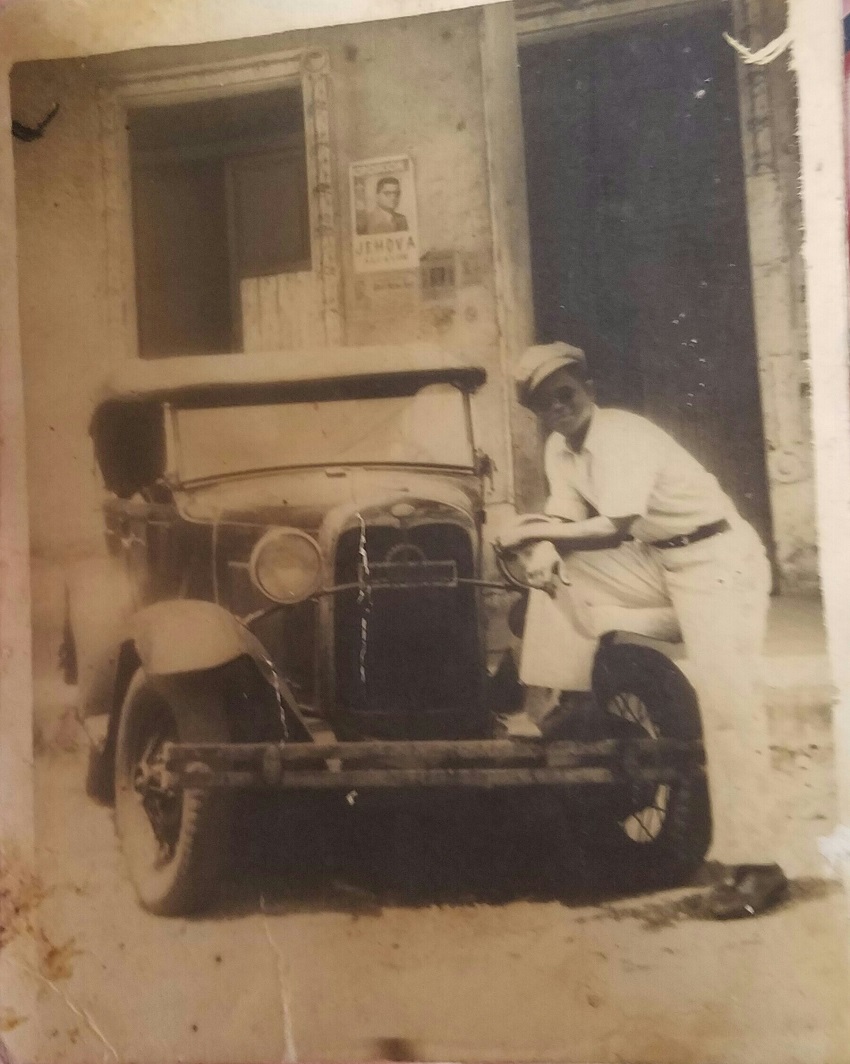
(176, 846)
(645, 836)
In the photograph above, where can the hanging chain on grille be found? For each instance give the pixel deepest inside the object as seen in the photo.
(364, 597)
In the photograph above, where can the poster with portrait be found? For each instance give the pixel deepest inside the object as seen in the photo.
(383, 207)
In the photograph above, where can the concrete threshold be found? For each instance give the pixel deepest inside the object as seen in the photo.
(796, 673)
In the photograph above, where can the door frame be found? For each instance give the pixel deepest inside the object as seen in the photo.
(538, 20)
(766, 103)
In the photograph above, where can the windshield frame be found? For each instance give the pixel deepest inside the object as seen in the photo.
(175, 479)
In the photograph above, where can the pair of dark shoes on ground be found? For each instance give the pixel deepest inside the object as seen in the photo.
(747, 890)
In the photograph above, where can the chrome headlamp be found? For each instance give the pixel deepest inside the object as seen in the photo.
(286, 565)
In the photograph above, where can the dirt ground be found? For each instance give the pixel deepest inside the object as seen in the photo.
(450, 931)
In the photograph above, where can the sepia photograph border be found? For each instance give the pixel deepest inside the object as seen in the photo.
(814, 40)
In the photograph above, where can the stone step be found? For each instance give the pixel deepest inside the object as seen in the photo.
(798, 696)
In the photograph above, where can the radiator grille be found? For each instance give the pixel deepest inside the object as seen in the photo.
(408, 659)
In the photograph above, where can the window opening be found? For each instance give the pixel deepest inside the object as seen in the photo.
(219, 190)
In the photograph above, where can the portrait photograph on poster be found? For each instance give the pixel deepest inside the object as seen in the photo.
(428, 653)
(383, 197)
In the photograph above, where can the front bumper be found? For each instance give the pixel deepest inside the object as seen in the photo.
(485, 763)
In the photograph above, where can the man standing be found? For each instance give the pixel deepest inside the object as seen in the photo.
(673, 538)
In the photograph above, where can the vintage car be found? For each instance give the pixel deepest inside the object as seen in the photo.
(292, 599)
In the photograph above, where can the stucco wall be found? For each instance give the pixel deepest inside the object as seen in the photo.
(16, 807)
(417, 91)
(52, 29)
(402, 87)
(64, 325)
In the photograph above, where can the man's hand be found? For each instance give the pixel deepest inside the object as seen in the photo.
(529, 529)
(541, 562)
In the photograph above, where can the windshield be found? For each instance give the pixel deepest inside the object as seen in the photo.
(429, 428)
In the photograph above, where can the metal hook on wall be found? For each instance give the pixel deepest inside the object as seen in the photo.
(27, 133)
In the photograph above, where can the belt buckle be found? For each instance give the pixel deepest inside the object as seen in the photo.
(680, 541)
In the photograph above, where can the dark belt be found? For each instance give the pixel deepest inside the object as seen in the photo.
(703, 532)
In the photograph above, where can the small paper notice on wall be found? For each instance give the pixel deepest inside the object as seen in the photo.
(383, 208)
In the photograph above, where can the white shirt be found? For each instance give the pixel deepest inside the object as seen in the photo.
(628, 466)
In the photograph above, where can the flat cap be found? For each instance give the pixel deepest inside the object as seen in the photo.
(537, 363)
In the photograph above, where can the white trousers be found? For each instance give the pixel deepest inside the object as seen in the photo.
(718, 589)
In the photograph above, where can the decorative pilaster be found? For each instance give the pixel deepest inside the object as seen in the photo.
(317, 89)
(771, 163)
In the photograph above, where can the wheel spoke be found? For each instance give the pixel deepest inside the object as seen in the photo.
(643, 826)
(640, 811)
(636, 711)
(646, 821)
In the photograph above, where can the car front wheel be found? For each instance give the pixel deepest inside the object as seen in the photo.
(176, 841)
(639, 835)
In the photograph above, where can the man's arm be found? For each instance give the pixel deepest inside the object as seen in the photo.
(589, 534)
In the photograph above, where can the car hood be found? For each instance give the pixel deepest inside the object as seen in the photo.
(312, 499)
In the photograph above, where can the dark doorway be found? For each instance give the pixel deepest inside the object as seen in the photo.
(639, 232)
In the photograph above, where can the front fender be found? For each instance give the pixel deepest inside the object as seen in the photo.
(669, 643)
(189, 635)
(171, 640)
(672, 648)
